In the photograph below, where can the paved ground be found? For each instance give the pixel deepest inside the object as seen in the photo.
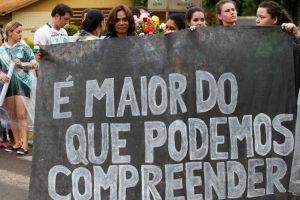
(14, 176)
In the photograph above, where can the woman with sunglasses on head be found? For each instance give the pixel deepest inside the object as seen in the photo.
(14, 51)
(195, 18)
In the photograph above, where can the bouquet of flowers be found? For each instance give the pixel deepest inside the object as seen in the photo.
(148, 25)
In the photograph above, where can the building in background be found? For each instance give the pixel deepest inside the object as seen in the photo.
(35, 13)
(163, 8)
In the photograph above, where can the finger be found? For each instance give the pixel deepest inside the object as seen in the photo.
(292, 29)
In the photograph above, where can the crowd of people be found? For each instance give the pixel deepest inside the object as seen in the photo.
(120, 23)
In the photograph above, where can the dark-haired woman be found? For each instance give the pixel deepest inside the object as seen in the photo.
(92, 26)
(120, 22)
(226, 12)
(270, 13)
(175, 23)
(195, 17)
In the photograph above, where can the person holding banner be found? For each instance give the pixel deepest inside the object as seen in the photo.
(226, 12)
(175, 23)
(14, 51)
(270, 13)
(195, 18)
(120, 22)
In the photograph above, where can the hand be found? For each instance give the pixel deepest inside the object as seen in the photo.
(168, 32)
(192, 28)
(37, 56)
(4, 77)
(18, 62)
(292, 28)
(35, 65)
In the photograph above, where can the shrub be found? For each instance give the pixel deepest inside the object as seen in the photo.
(71, 29)
(28, 42)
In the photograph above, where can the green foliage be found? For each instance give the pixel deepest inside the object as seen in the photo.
(71, 29)
(28, 42)
(139, 3)
(249, 7)
(210, 15)
(209, 3)
(144, 3)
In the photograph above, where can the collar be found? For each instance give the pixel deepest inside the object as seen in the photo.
(10, 47)
(48, 24)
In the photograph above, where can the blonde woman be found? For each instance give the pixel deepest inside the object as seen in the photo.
(226, 12)
(14, 51)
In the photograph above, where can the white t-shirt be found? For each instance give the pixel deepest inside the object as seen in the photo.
(48, 35)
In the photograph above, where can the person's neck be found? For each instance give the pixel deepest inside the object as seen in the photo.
(229, 24)
(120, 35)
(11, 42)
(95, 33)
(53, 24)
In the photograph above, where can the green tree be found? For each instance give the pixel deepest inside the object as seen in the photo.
(28, 42)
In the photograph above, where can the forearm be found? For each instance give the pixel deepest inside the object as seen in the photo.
(3, 77)
(29, 65)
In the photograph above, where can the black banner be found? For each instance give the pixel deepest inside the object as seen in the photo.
(205, 114)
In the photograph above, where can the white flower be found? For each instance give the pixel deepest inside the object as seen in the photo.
(162, 26)
(136, 19)
(144, 15)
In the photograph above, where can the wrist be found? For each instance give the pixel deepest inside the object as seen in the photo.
(1, 76)
(20, 65)
(297, 35)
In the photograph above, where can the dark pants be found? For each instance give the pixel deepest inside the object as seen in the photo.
(3, 132)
